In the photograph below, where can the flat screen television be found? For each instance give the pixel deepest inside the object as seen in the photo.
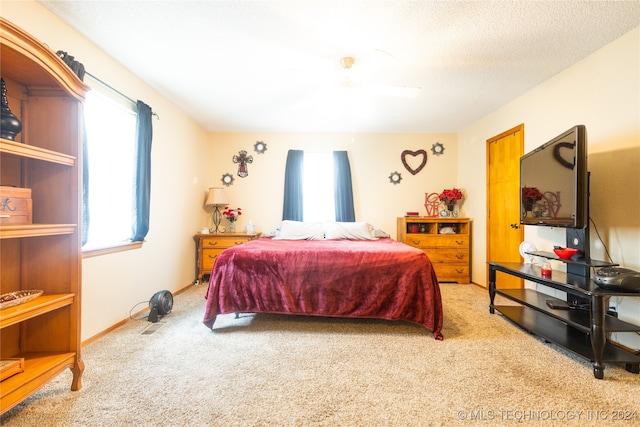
(554, 182)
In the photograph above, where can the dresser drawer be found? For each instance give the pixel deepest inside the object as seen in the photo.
(448, 255)
(209, 257)
(452, 272)
(437, 240)
(223, 241)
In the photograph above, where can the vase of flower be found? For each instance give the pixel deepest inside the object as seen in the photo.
(450, 199)
(232, 215)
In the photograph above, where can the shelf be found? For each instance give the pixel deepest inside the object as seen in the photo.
(557, 332)
(35, 230)
(566, 282)
(37, 368)
(42, 304)
(32, 152)
(588, 262)
(579, 318)
(45, 254)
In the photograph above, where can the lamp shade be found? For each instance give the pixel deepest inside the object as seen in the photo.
(216, 197)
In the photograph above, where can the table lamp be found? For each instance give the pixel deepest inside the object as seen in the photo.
(215, 199)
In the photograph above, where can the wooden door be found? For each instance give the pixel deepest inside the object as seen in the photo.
(504, 233)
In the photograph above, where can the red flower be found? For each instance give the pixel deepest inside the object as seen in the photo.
(232, 214)
(531, 194)
(450, 196)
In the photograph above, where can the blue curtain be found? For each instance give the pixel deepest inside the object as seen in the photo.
(293, 206)
(142, 191)
(342, 188)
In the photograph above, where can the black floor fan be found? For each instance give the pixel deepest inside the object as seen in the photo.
(160, 304)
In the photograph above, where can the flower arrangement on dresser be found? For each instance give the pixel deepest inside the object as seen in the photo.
(232, 215)
(450, 199)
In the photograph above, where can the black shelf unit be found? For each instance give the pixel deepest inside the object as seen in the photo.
(582, 331)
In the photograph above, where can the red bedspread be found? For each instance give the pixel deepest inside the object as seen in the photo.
(381, 279)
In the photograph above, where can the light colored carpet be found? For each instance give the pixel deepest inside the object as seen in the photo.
(268, 370)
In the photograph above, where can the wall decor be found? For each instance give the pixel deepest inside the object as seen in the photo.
(406, 153)
(437, 149)
(395, 178)
(227, 179)
(242, 159)
(260, 147)
(431, 203)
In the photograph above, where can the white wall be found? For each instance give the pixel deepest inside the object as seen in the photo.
(113, 284)
(372, 157)
(603, 93)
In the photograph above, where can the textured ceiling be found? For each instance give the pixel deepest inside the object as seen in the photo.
(275, 65)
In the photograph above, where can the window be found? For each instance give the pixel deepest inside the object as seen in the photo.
(317, 186)
(110, 155)
(318, 201)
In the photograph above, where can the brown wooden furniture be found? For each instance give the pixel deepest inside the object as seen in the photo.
(209, 246)
(46, 255)
(449, 253)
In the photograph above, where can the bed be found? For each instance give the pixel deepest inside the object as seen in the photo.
(353, 278)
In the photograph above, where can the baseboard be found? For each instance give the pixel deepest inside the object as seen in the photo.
(123, 321)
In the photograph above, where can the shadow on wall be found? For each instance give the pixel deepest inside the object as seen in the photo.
(615, 198)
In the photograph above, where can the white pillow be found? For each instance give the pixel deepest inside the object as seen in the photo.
(379, 233)
(348, 230)
(299, 230)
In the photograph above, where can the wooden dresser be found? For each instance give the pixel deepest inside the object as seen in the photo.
(209, 246)
(450, 253)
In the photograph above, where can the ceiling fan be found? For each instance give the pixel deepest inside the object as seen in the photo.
(351, 80)
(354, 82)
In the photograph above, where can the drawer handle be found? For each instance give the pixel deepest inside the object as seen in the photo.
(459, 256)
(459, 270)
(213, 256)
(212, 243)
(460, 242)
(238, 243)
(415, 242)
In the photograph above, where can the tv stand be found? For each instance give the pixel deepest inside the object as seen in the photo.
(582, 331)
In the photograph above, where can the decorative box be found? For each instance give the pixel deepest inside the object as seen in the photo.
(15, 206)
(10, 367)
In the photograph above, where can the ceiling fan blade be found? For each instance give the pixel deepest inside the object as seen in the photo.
(397, 91)
(323, 97)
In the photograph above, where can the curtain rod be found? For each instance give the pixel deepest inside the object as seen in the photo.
(117, 91)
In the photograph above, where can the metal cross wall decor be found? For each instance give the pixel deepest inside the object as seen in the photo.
(242, 159)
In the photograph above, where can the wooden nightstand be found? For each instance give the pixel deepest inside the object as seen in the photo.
(209, 246)
(450, 254)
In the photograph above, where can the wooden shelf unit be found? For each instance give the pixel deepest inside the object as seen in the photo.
(46, 255)
(450, 254)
